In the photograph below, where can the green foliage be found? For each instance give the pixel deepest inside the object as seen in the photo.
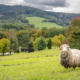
(49, 43)
(41, 44)
(60, 22)
(24, 21)
(55, 31)
(25, 40)
(17, 51)
(13, 40)
(30, 48)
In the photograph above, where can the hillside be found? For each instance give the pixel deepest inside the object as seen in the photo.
(39, 65)
(37, 21)
(11, 15)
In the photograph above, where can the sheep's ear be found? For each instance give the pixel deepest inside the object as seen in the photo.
(68, 46)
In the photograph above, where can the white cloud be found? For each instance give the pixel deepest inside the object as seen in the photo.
(72, 8)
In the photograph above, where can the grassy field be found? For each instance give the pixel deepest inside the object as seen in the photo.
(37, 21)
(39, 65)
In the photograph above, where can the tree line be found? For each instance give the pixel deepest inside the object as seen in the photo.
(13, 36)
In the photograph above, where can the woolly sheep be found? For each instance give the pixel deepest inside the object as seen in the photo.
(69, 57)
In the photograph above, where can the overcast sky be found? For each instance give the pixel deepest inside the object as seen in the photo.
(67, 6)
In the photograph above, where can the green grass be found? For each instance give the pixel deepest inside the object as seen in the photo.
(37, 21)
(38, 65)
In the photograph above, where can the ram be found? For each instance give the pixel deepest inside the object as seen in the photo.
(69, 57)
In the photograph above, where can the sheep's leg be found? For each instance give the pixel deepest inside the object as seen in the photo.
(74, 67)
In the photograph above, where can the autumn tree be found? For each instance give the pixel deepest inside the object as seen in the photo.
(56, 41)
(60, 37)
(44, 31)
(73, 33)
(35, 43)
(4, 45)
(38, 33)
(20, 33)
(5, 34)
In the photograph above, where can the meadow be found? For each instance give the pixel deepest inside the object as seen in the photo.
(37, 21)
(38, 65)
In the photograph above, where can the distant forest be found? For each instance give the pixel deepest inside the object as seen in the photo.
(17, 15)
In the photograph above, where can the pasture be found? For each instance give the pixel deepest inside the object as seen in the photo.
(37, 21)
(38, 65)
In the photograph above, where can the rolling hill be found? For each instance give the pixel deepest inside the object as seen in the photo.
(11, 15)
(37, 21)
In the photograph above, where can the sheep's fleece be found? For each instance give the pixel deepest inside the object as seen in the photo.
(69, 57)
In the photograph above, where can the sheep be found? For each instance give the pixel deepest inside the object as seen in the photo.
(69, 57)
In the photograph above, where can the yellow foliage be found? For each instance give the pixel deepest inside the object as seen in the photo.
(38, 33)
(32, 38)
(4, 45)
(56, 42)
(60, 37)
(20, 33)
(35, 43)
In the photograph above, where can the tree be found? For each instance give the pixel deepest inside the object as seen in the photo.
(30, 48)
(38, 33)
(60, 37)
(25, 40)
(20, 33)
(41, 44)
(43, 31)
(4, 45)
(35, 43)
(13, 40)
(73, 33)
(49, 43)
(5, 34)
(56, 42)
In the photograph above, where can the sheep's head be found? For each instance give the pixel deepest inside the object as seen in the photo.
(64, 47)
